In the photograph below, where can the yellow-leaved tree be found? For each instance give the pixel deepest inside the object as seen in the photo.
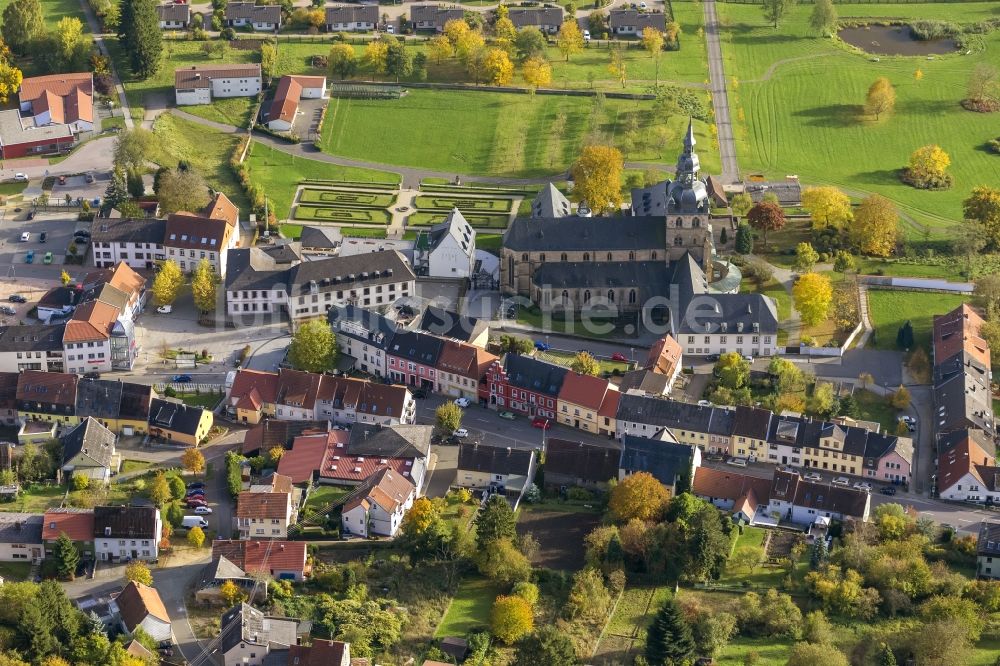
(597, 177)
(536, 72)
(167, 283)
(813, 295)
(928, 168)
(827, 207)
(875, 227)
(570, 39)
(652, 41)
(376, 56)
(881, 98)
(638, 496)
(440, 49)
(10, 80)
(511, 618)
(498, 67)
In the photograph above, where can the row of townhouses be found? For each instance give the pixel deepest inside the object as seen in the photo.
(182, 237)
(964, 424)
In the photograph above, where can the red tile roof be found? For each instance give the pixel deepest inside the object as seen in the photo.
(307, 455)
(222, 208)
(960, 460)
(262, 505)
(664, 356)
(55, 388)
(253, 556)
(584, 390)
(137, 601)
(247, 381)
(286, 99)
(298, 388)
(78, 524)
(387, 488)
(321, 653)
(723, 484)
(960, 330)
(67, 97)
(91, 321)
(609, 408)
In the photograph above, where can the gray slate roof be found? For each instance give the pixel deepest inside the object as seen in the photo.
(619, 18)
(445, 324)
(352, 14)
(550, 202)
(573, 233)
(253, 12)
(652, 277)
(321, 238)
(494, 459)
(21, 527)
(174, 12)
(128, 230)
(174, 416)
(668, 462)
(256, 628)
(395, 441)
(531, 374)
(34, 338)
(91, 439)
(354, 272)
(436, 14)
(536, 16)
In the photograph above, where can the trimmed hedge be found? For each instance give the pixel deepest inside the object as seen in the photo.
(338, 198)
(477, 220)
(439, 203)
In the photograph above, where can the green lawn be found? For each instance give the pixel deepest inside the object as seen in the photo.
(279, 174)
(54, 11)
(324, 496)
(491, 133)
(13, 572)
(775, 290)
(11, 189)
(206, 400)
(349, 199)
(440, 202)
(129, 466)
(341, 215)
(36, 499)
(806, 119)
(890, 309)
(478, 221)
(566, 358)
(207, 150)
(228, 110)
(873, 407)
(470, 608)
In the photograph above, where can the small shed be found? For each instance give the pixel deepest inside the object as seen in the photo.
(455, 647)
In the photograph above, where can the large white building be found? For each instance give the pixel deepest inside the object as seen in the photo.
(447, 250)
(137, 242)
(200, 84)
(380, 509)
(127, 532)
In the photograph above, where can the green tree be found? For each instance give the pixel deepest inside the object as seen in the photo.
(501, 561)
(732, 370)
(589, 598)
(806, 654)
(72, 47)
(886, 656)
(139, 32)
(548, 646)
(741, 203)
(177, 487)
(904, 336)
(159, 489)
(448, 417)
(775, 10)
(203, 285)
(138, 571)
(116, 192)
(585, 364)
(398, 59)
(529, 43)
(22, 24)
(168, 282)
(822, 402)
(66, 555)
(816, 628)
(805, 257)
(744, 238)
(196, 537)
(983, 207)
(313, 347)
(511, 618)
(343, 61)
(175, 514)
(669, 641)
(844, 261)
(182, 190)
(823, 18)
(495, 521)
(268, 59)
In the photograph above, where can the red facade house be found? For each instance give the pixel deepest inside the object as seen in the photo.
(524, 385)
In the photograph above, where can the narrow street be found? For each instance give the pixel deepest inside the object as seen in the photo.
(720, 97)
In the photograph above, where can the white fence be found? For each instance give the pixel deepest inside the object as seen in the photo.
(918, 284)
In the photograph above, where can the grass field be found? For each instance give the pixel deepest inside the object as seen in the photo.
(324, 496)
(340, 215)
(206, 400)
(491, 133)
(566, 358)
(424, 219)
(359, 199)
(873, 407)
(10, 189)
(279, 174)
(890, 309)
(470, 609)
(227, 110)
(804, 116)
(129, 466)
(472, 205)
(207, 150)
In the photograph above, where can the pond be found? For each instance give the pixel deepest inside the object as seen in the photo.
(894, 40)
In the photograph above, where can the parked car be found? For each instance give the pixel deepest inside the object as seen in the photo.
(888, 490)
(195, 502)
(31, 214)
(196, 484)
(714, 457)
(748, 358)
(507, 415)
(42, 237)
(461, 432)
(82, 233)
(20, 178)
(47, 259)
(462, 402)
(17, 298)
(203, 510)
(165, 309)
(620, 357)
(841, 481)
(863, 485)
(737, 462)
(193, 521)
(541, 346)
(586, 35)
(704, 403)
(93, 374)
(194, 491)
(89, 178)
(541, 422)
(7, 310)
(62, 180)
(712, 358)
(181, 379)
(25, 237)
(419, 394)
(812, 476)
(30, 257)
(81, 240)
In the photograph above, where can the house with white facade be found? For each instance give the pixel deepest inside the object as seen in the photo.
(351, 18)
(795, 500)
(248, 637)
(447, 250)
(634, 21)
(380, 509)
(32, 347)
(127, 532)
(291, 90)
(137, 242)
(174, 15)
(498, 469)
(141, 606)
(89, 451)
(264, 515)
(200, 84)
(21, 537)
(363, 335)
(188, 239)
(966, 467)
(265, 18)
(988, 550)
(59, 99)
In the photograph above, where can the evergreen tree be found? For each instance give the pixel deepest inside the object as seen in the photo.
(819, 554)
(117, 192)
(886, 657)
(848, 406)
(669, 640)
(744, 239)
(22, 24)
(67, 556)
(724, 236)
(496, 521)
(139, 32)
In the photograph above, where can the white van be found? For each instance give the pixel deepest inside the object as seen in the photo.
(194, 521)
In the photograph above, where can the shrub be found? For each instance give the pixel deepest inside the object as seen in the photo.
(928, 30)
(994, 145)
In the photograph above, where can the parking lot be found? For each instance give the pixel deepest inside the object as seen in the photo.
(77, 187)
(58, 228)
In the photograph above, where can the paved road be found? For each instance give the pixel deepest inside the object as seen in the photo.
(720, 98)
(95, 29)
(94, 155)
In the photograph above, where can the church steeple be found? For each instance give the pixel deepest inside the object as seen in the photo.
(686, 193)
(689, 137)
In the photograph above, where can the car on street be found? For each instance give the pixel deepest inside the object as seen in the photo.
(748, 358)
(541, 422)
(507, 415)
(712, 358)
(181, 379)
(462, 402)
(165, 309)
(888, 490)
(20, 178)
(203, 510)
(195, 502)
(704, 403)
(30, 257)
(586, 35)
(81, 240)
(25, 237)
(47, 259)
(863, 485)
(541, 346)
(911, 423)
(841, 481)
(89, 178)
(7, 310)
(714, 457)
(194, 491)
(17, 298)
(620, 357)
(461, 432)
(93, 374)
(737, 462)
(419, 394)
(196, 484)
(812, 476)
(62, 180)
(42, 237)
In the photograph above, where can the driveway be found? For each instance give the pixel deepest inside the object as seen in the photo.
(77, 187)
(442, 476)
(95, 155)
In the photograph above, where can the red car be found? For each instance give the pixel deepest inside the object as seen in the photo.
(539, 422)
(194, 502)
(618, 356)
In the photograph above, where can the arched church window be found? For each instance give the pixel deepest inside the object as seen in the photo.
(586, 256)
(653, 255)
(678, 241)
(510, 271)
(609, 256)
(611, 296)
(565, 295)
(696, 223)
(586, 296)
(631, 256)
(631, 297)
(679, 222)
(563, 256)
(542, 256)
(524, 257)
